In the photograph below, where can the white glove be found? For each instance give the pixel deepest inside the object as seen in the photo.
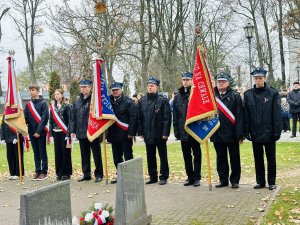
(51, 139)
(3, 142)
(66, 138)
(15, 141)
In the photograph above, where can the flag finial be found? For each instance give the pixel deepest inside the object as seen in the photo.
(11, 53)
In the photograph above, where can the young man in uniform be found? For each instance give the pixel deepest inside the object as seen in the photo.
(188, 143)
(263, 126)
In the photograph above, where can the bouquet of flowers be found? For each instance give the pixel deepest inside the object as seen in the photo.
(95, 216)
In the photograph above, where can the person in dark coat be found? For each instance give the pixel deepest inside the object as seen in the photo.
(263, 126)
(78, 128)
(9, 138)
(154, 123)
(121, 133)
(293, 98)
(188, 143)
(230, 132)
(63, 161)
(37, 132)
(283, 94)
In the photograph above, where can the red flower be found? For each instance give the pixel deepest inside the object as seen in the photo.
(113, 219)
(110, 223)
(81, 219)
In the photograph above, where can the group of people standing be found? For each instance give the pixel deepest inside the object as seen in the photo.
(256, 117)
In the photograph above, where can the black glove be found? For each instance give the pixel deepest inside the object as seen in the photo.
(276, 137)
(248, 136)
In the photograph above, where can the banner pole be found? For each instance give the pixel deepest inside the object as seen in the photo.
(19, 153)
(105, 159)
(208, 167)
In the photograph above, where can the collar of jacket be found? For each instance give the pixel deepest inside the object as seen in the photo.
(112, 99)
(37, 100)
(296, 90)
(259, 90)
(82, 97)
(226, 93)
(182, 90)
(152, 96)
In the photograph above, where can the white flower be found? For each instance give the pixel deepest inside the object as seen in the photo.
(105, 213)
(98, 206)
(75, 221)
(88, 217)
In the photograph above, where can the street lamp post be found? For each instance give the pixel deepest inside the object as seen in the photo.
(297, 67)
(249, 28)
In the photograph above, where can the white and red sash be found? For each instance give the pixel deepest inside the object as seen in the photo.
(62, 126)
(25, 139)
(38, 119)
(225, 110)
(124, 126)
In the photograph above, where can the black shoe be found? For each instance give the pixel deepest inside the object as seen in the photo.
(258, 186)
(235, 185)
(58, 178)
(114, 181)
(197, 183)
(83, 179)
(98, 179)
(292, 136)
(219, 185)
(189, 182)
(151, 181)
(272, 187)
(65, 177)
(162, 182)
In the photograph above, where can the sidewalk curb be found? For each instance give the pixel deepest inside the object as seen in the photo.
(261, 217)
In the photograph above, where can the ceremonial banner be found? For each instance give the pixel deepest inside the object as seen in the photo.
(14, 116)
(101, 113)
(202, 114)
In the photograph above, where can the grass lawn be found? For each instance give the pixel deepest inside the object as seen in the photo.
(287, 159)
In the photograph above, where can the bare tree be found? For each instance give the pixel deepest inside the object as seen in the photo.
(248, 9)
(28, 27)
(4, 11)
(277, 9)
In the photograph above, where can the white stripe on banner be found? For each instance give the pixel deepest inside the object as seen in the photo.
(121, 123)
(37, 115)
(59, 119)
(13, 81)
(226, 109)
(96, 91)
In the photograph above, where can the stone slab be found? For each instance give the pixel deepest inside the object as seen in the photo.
(130, 194)
(48, 205)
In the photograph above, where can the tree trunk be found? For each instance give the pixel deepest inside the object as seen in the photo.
(270, 63)
(280, 33)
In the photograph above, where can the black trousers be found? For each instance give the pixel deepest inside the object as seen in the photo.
(151, 160)
(296, 117)
(120, 148)
(13, 158)
(63, 161)
(258, 151)
(193, 172)
(40, 154)
(285, 123)
(222, 161)
(85, 149)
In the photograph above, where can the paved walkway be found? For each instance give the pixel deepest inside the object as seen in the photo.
(169, 204)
